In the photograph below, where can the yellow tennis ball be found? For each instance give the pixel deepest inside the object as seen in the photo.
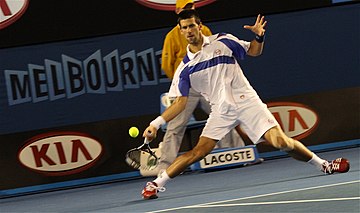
(134, 132)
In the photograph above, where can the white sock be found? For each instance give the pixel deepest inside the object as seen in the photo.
(316, 161)
(162, 179)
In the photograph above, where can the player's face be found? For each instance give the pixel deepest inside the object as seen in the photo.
(191, 30)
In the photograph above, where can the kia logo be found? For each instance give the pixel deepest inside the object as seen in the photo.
(169, 5)
(11, 10)
(60, 153)
(297, 120)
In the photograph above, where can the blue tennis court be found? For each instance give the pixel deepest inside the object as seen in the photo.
(279, 185)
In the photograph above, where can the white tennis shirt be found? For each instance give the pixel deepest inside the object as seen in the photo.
(215, 73)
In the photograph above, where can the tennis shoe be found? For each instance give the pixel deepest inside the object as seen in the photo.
(339, 165)
(150, 190)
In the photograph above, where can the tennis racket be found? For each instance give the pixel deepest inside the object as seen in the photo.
(133, 157)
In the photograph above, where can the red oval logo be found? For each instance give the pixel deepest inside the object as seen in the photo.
(169, 5)
(11, 11)
(60, 153)
(297, 120)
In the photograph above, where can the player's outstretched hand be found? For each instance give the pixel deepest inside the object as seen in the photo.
(150, 133)
(259, 27)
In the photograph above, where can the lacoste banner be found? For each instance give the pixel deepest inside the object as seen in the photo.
(228, 157)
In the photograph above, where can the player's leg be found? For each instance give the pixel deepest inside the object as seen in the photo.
(258, 122)
(217, 126)
(203, 147)
(277, 138)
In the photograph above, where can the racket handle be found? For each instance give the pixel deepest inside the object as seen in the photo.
(146, 141)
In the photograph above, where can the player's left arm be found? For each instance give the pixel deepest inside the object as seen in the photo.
(257, 45)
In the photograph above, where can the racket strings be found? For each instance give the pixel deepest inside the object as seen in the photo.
(133, 158)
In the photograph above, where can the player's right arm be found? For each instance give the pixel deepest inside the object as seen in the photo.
(180, 89)
(182, 83)
(171, 112)
(175, 108)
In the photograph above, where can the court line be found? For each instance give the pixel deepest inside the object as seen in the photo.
(255, 196)
(278, 202)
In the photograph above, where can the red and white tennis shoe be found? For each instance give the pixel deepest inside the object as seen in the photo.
(339, 165)
(150, 190)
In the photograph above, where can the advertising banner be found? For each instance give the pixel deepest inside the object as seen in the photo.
(98, 149)
(75, 82)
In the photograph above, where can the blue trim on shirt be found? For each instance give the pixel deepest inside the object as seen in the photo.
(186, 59)
(184, 81)
(238, 51)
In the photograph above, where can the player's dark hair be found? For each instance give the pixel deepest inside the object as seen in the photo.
(186, 14)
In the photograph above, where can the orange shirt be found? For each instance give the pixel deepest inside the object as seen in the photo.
(174, 49)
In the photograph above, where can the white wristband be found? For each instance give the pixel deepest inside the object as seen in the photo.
(158, 122)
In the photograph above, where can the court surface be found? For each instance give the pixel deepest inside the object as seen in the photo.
(279, 185)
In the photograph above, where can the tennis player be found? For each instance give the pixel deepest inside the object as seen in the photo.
(173, 52)
(211, 67)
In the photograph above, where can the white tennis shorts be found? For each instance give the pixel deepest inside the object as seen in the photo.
(254, 119)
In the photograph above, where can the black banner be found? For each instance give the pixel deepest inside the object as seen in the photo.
(46, 21)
